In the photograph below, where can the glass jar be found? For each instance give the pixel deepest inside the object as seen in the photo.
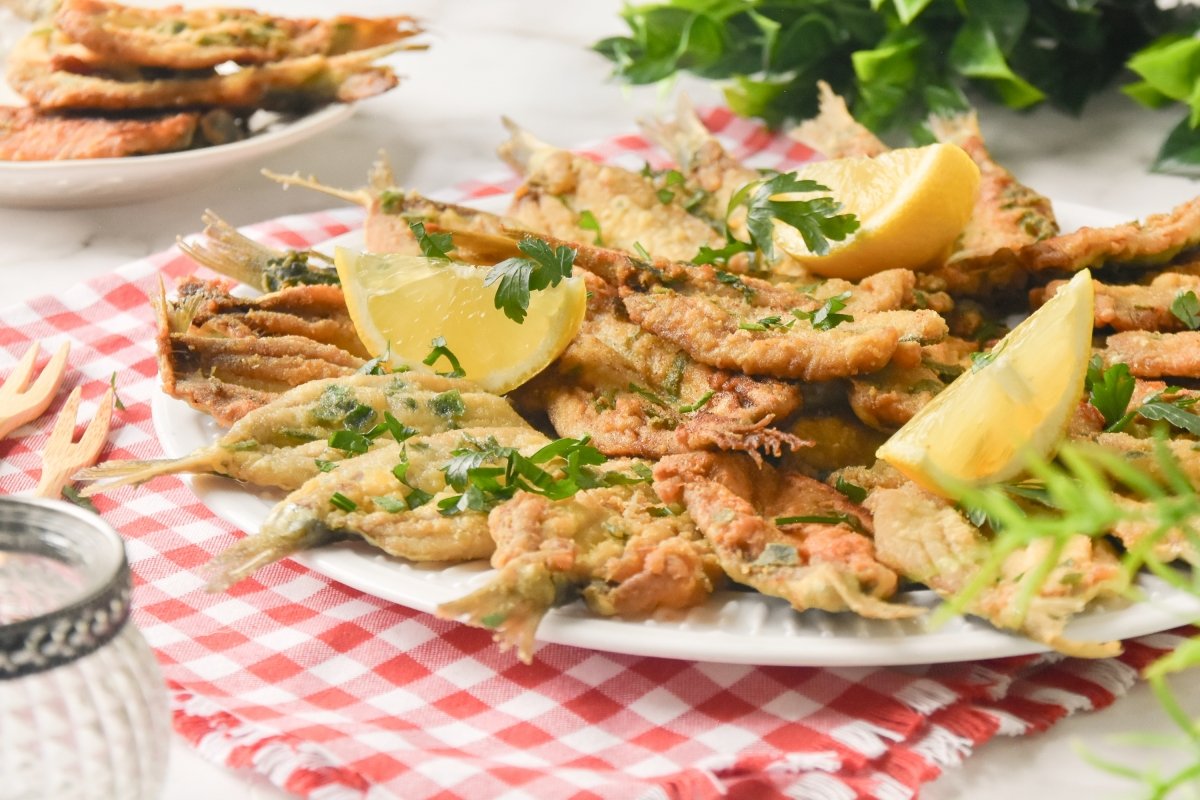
(83, 709)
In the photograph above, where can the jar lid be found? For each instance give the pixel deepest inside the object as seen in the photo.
(64, 584)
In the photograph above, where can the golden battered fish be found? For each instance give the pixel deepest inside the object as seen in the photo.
(29, 135)
(175, 38)
(638, 395)
(782, 533)
(292, 439)
(625, 206)
(927, 540)
(389, 497)
(295, 85)
(617, 547)
(1150, 354)
(1133, 307)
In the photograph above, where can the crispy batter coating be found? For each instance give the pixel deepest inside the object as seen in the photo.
(561, 185)
(369, 493)
(1008, 215)
(1150, 354)
(294, 85)
(742, 509)
(636, 394)
(1153, 241)
(1133, 307)
(27, 135)
(280, 443)
(176, 38)
(838, 440)
(617, 547)
(834, 133)
(927, 540)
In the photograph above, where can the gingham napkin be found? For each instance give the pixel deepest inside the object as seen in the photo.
(332, 693)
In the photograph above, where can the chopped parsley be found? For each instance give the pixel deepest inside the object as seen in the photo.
(837, 518)
(588, 222)
(648, 395)
(767, 324)
(827, 317)
(448, 405)
(482, 487)
(853, 492)
(70, 493)
(341, 502)
(699, 404)
(816, 219)
(541, 268)
(433, 245)
(1109, 390)
(440, 350)
(1186, 308)
(729, 279)
(325, 466)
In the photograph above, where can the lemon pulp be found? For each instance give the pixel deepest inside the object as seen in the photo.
(911, 203)
(1016, 402)
(400, 303)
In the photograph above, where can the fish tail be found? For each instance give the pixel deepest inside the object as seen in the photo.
(683, 136)
(112, 474)
(521, 147)
(289, 529)
(225, 250)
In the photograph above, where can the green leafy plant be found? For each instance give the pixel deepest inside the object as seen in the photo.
(897, 61)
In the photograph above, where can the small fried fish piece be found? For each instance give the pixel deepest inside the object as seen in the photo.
(1152, 242)
(1150, 354)
(1133, 307)
(364, 498)
(636, 394)
(1142, 454)
(229, 377)
(176, 38)
(27, 134)
(280, 444)
(316, 312)
(826, 561)
(560, 186)
(838, 440)
(224, 249)
(834, 133)
(1008, 215)
(927, 540)
(294, 85)
(617, 547)
(711, 177)
(706, 313)
(391, 210)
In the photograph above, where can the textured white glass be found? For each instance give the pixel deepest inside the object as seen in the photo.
(90, 721)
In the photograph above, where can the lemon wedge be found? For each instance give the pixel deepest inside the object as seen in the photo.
(1016, 401)
(400, 303)
(911, 203)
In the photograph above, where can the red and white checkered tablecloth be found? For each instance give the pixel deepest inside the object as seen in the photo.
(332, 693)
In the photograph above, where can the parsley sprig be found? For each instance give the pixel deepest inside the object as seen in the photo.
(433, 245)
(1111, 389)
(829, 315)
(485, 473)
(541, 268)
(440, 350)
(817, 218)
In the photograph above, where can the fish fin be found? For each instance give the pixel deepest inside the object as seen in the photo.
(112, 474)
(289, 529)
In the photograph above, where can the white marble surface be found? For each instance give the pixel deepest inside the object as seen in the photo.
(529, 59)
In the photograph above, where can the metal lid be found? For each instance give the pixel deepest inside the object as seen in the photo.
(64, 584)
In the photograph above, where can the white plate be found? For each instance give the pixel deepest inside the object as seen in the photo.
(732, 627)
(99, 181)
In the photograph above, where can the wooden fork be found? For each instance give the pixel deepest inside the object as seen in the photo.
(19, 401)
(63, 458)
